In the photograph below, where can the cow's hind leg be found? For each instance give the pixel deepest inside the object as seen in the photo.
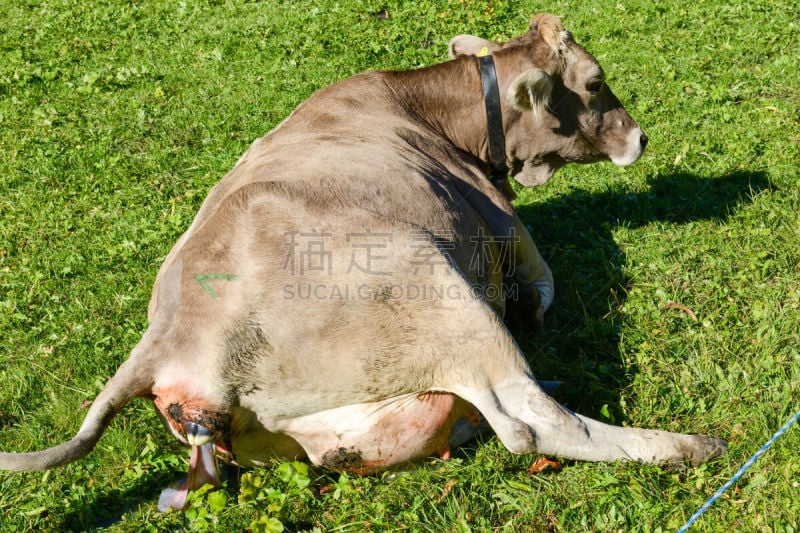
(526, 420)
(461, 346)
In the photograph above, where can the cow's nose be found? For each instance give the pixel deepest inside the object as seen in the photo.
(643, 140)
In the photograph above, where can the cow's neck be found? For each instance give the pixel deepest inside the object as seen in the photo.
(448, 99)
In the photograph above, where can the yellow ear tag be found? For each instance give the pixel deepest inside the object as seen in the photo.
(484, 52)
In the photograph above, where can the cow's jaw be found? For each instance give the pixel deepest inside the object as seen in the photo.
(539, 171)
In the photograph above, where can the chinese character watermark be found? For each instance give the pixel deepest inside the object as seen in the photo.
(428, 255)
(366, 252)
(493, 252)
(307, 252)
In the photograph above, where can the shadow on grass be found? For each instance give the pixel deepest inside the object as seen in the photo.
(108, 508)
(575, 233)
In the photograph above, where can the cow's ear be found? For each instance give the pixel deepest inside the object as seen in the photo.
(469, 45)
(551, 30)
(530, 91)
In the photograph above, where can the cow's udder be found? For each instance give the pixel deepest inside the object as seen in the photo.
(370, 437)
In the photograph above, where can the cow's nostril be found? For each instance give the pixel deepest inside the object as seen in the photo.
(643, 140)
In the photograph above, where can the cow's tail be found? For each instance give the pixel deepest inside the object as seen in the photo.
(125, 385)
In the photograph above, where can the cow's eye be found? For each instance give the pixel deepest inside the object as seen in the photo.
(594, 87)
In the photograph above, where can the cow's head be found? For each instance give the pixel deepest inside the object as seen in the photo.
(557, 108)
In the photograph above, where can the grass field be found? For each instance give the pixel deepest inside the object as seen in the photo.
(677, 279)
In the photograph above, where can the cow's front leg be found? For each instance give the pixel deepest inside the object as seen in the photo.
(523, 306)
(529, 281)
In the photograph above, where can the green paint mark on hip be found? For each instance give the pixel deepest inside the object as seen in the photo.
(203, 280)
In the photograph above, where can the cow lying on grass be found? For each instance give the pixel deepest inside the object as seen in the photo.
(340, 295)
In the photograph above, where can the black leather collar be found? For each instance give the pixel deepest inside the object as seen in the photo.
(498, 170)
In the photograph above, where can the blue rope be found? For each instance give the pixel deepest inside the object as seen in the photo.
(739, 473)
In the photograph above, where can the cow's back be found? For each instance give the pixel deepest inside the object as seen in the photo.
(351, 146)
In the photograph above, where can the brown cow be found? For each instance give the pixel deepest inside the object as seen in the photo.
(340, 295)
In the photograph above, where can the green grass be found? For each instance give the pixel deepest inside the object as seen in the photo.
(116, 119)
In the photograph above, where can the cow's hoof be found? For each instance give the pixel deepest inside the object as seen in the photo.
(700, 449)
(708, 448)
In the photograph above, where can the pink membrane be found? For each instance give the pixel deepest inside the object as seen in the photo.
(202, 471)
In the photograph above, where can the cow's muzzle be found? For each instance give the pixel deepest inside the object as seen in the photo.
(633, 148)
